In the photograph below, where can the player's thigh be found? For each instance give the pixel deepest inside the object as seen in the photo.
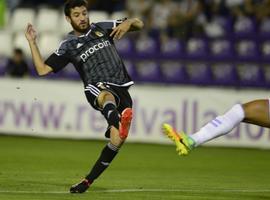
(125, 100)
(105, 96)
(97, 94)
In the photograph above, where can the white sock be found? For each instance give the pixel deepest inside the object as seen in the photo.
(221, 125)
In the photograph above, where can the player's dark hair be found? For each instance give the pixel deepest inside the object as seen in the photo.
(72, 4)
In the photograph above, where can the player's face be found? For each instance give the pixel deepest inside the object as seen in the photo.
(79, 19)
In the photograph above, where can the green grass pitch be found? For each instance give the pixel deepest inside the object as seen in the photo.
(34, 169)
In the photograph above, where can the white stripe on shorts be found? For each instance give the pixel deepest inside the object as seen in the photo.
(94, 90)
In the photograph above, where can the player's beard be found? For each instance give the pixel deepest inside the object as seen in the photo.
(81, 28)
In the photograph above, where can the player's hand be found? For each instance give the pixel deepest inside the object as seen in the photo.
(120, 30)
(30, 33)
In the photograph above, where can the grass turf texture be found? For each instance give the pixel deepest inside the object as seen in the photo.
(33, 169)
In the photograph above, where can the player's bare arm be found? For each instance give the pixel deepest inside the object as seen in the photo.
(133, 24)
(41, 67)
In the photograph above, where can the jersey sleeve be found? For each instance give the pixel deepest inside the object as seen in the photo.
(58, 60)
(110, 24)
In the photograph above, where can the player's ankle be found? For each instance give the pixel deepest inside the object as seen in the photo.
(88, 182)
(191, 143)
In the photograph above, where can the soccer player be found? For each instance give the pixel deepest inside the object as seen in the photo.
(254, 112)
(90, 48)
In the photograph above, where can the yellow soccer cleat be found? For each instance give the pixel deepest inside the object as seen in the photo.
(180, 140)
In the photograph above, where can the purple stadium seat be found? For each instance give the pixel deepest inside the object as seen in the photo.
(224, 74)
(70, 72)
(146, 46)
(131, 69)
(3, 63)
(250, 74)
(125, 47)
(173, 72)
(247, 49)
(222, 49)
(199, 73)
(266, 72)
(264, 28)
(172, 48)
(245, 27)
(196, 48)
(148, 71)
(225, 23)
(265, 50)
(32, 70)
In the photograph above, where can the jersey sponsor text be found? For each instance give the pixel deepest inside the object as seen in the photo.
(94, 48)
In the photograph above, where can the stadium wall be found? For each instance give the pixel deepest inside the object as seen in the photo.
(59, 109)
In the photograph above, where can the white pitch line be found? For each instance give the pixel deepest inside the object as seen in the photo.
(181, 190)
(33, 192)
(142, 190)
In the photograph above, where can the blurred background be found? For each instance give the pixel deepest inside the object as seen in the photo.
(206, 42)
(188, 48)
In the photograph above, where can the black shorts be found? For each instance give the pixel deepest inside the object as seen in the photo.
(121, 94)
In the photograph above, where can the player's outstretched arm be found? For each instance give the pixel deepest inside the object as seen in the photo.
(136, 24)
(41, 67)
(133, 24)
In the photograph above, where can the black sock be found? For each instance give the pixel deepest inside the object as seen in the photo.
(111, 114)
(105, 158)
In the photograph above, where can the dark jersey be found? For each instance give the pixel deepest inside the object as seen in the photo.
(94, 56)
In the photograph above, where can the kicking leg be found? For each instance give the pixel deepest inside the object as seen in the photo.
(119, 125)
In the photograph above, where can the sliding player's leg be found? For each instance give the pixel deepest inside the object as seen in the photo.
(255, 112)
